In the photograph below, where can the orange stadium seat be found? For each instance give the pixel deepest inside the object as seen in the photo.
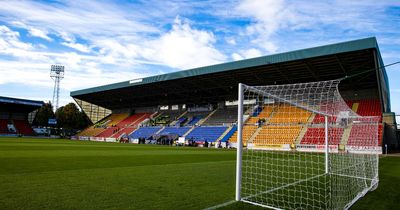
(277, 135)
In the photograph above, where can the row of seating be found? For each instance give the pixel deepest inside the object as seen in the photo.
(209, 133)
(119, 123)
(247, 132)
(144, 132)
(369, 107)
(227, 115)
(21, 127)
(264, 113)
(164, 118)
(289, 114)
(3, 126)
(267, 125)
(107, 125)
(282, 114)
(180, 131)
(317, 136)
(364, 135)
(277, 135)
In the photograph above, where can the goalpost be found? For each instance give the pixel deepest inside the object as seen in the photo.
(300, 146)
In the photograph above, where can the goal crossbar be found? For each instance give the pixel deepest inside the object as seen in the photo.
(262, 92)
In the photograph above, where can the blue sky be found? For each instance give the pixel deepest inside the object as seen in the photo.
(102, 42)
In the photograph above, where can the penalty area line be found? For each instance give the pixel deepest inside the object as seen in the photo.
(220, 205)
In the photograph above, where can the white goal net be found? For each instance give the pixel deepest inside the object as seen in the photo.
(300, 146)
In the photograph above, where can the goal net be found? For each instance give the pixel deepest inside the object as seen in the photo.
(300, 146)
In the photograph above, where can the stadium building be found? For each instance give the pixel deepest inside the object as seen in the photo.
(200, 104)
(17, 115)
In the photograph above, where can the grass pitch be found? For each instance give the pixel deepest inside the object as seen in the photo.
(64, 174)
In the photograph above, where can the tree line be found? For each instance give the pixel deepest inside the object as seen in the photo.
(68, 117)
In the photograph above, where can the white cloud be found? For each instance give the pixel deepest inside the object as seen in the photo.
(77, 46)
(86, 18)
(31, 67)
(277, 25)
(184, 47)
(231, 41)
(269, 16)
(246, 54)
(236, 56)
(35, 32)
(10, 43)
(39, 33)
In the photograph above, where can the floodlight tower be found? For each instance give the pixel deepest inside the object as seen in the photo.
(57, 74)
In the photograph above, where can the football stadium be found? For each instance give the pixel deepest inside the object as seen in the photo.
(305, 129)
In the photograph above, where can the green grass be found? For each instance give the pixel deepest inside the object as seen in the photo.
(63, 174)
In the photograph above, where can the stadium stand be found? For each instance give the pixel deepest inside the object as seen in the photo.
(193, 118)
(144, 132)
(180, 122)
(208, 133)
(289, 114)
(121, 124)
(277, 135)
(23, 127)
(248, 131)
(250, 126)
(91, 131)
(359, 133)
(369, 107)
(317, 136)
(17, 115)
(231, 131)
(159, 93)
(226, 115)
(180, 131)
(263, 114)
(130, 124)
(103, 125)
(4, 127)
(321, 119)
(164, 118)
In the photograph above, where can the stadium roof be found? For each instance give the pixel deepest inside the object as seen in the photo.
(19, 105)
(219, 82)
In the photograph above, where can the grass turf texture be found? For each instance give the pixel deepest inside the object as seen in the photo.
(63, 174)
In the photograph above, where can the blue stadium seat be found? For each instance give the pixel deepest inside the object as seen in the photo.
(180, 131)
(144, 132)
(210, 133)
(194, 120)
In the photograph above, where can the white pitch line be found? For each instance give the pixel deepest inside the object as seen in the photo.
(220, 205)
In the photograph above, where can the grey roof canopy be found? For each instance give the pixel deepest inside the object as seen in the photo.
(19, 105)
(219, 82)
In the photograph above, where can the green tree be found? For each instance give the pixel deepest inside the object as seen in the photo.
(42, 116)
(70, 117)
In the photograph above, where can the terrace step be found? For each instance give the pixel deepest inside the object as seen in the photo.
(190, 130)
(159, 131)
(206, 118)
(301, 134)
(255, 134)
(225, 132)
(173, 123)
(355, 107)
(346, 134)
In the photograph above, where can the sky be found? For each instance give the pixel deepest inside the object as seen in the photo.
(102, 42)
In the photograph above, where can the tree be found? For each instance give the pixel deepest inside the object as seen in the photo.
(42, 116)
(70, 117)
